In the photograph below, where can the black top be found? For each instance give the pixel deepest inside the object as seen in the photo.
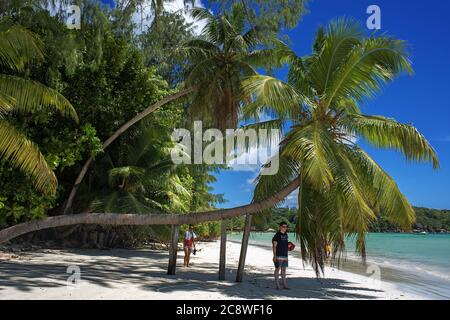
(282, 244)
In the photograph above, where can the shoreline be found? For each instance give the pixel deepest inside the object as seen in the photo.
(141, 274)
(411, 273)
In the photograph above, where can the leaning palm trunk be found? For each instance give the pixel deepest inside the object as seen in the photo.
(116, 134)
(145, 219)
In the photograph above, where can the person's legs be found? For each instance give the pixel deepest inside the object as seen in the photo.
(283, 277)
(277, 276)
(188, 256)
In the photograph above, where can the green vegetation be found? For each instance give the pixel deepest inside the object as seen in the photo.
(22, 95)
(107, 78)
(111, 74)
(428, 220)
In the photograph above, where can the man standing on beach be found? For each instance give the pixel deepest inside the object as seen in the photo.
(280, 254)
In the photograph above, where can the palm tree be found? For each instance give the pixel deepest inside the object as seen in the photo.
(217, 59)
(19, 95)
(146, 180)
(225, 52)
(342, 189)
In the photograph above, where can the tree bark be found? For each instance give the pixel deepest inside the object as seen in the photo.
(145, 219)
(244, 245)
(115, 135)
(223, 249)
(173, 251)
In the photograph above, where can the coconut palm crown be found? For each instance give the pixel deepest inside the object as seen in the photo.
(342, 189)
(227, 50)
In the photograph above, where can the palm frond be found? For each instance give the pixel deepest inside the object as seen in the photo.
(23, 154)
(387, 133)
(31, 96)
(387, 198)
(267, 185)
(368, 66)
(18, 47)
(125, 175)
(314, 148)
(271, 96)
(335, 44)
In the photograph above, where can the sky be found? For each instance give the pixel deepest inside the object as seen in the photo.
(419, 100)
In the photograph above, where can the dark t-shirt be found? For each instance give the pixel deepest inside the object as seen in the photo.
(282, 244)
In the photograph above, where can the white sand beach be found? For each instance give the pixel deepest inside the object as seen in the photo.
(141, 274)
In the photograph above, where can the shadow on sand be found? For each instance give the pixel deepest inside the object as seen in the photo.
(138, 267)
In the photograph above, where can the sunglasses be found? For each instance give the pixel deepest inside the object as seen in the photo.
(284, 227)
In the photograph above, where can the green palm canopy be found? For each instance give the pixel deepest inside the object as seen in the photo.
(19, 95)
(226, 51)
(342, 188)
(146, 179)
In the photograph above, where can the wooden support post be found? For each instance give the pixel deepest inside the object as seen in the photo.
(223, 249)
(244, 245)
(173, 250)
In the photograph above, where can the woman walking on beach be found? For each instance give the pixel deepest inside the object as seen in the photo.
(280, 254)
(189, 244)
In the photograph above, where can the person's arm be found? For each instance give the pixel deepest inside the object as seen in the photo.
(274, 249)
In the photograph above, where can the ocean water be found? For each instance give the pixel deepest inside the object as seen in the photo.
(416, 263)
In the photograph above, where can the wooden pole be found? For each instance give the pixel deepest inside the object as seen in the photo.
(173, 251)
(244, 245)
(223, 249)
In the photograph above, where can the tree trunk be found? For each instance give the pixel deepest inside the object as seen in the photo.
(223, 249)
(244, 245)
(115, 135)
(173, 251)
(145, 219)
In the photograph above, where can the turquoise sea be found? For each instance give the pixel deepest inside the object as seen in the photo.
(417, 263)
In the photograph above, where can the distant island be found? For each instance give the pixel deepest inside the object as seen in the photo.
(427, 220)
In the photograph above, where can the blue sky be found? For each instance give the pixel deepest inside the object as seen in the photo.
(419, 99)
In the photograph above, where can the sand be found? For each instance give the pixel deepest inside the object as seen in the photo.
(141, 274)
